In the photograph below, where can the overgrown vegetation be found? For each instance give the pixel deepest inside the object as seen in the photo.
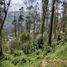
(37, 37)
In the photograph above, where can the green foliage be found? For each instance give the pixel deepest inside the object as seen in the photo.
(38, 40)
(15, 44)
(18, 58)
(7, 64)
(23, 43)
(47, 49)
(15, 60)
(27, 48)
(20, 18)
(18, 53)
(5, 47)
(45, 36)
(58, 51)
(25, 37)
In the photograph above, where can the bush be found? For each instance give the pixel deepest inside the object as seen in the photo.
(15, 61)
(25, 37)
(6, 47)
(22, 61)
(37, 42)
(18, 53)
(15, 44)
(47, 49)
(19, 60)
(23, 42)
(7, 64)
(27, 48)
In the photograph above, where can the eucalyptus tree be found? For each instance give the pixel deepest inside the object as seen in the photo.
(32, 8)
(21, 19)
(51, 22)
(34, 17)
(15, 26)
(57, 16)
(64, 18)
(4, 6)
(28, 24)
(44, 13)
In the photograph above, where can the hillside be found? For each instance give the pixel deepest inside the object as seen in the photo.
(33, 33)
(57, 58)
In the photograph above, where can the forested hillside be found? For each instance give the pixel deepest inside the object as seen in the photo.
(33, 33)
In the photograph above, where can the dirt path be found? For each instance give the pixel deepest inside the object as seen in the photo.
(44, 63)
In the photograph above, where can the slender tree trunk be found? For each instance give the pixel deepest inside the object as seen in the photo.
(64, 22)
(15, 30)
(2, 22)
(55, 24)
(34, 32)
(1, 52)
(44, 12)
(51, 23)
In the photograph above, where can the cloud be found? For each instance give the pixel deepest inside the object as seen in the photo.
(16, 4)
(16, 1)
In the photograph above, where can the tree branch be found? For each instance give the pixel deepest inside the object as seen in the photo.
(6, 11)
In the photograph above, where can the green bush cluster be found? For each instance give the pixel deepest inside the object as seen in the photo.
(24, 37)
(26, 43)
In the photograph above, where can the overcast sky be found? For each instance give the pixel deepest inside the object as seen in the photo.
(16, 4)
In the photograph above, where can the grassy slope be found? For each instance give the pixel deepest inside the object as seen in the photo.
(58, 58)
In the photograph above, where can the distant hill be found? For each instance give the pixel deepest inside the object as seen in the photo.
(10, 17)
(8, 22)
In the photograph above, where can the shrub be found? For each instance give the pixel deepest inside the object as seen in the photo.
(6, 47)
(37, 42)
(23, 60)
(27, 48)
(15, 60)
(19, 60)
(18, 53)
(15, 44)
(25, 37)
(7, 64)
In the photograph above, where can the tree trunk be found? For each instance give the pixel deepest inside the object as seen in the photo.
(15, 30)
(51, 23)
(1, 53)
(55, 24)
(2, 23)
(34, 32)
(44, 12)
(64, 22)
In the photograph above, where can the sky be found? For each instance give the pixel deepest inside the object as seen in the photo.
(16, 4)
(16, 1)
